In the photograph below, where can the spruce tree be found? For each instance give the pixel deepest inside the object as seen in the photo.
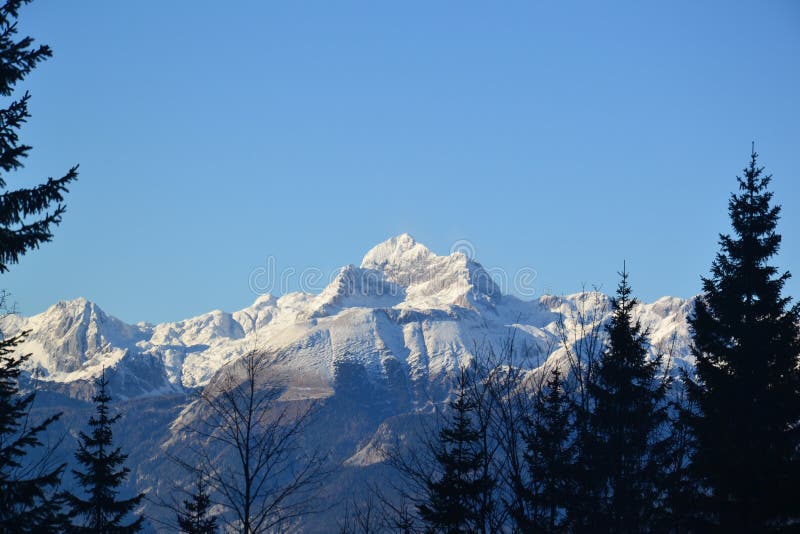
(587, 479)
(101, 510)
(195, 516)
(27, 215)
(27, 218)
(746, 344)
(455, 497)
(680, 489)
(626, 448)
(549, 455)
(28, 500)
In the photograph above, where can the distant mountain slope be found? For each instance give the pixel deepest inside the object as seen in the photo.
(403, 302)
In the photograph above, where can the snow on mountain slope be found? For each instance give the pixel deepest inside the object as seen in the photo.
(431, 281)
(73, 336)
(403, 304)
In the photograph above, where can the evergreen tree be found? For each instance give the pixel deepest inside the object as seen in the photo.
(25, 217)
(27, 487)
(625, 449)
(195, 517)
(680, 490)
(28, 501)
(549, 455)
(456, 498)
(102, 511)
(747, 386)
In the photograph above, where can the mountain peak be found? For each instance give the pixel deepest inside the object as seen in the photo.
(78, 302)
(77, 306)
(431, 281)
(394, 252)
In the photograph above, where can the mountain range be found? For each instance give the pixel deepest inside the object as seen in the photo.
(408, 316)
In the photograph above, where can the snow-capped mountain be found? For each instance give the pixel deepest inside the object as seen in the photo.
(403, 303)
(375, 348)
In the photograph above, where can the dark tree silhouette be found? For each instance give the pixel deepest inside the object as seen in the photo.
(26, 218)
(747, 385)
(625, 449)
(455, 496)
(502, 389)
(549, 456)
(681, 493)
(581, 337)
(101, 510)
(483, 421)
(27, 501)
(195, 517)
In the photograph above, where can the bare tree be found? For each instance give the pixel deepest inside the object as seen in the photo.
(510, 378)
(252, 447)
(582, 338)
(497, 384)
(362, 517)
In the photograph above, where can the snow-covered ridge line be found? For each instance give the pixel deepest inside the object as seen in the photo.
(404, 303)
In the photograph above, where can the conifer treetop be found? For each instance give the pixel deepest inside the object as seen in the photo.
(27, 215)
(103, 474)
(746, 343)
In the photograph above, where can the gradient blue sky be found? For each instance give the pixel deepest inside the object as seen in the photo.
(564, 136)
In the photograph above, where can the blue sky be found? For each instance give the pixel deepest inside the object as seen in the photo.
(562, 136)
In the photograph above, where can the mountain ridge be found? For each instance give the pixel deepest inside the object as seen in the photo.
(402, 301)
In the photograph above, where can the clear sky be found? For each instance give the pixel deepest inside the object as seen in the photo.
(562, 136)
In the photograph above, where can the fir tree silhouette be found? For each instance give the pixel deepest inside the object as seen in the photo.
(195, 516)
(454, 498)
(101, 510)
(626, 448)
(28, 499)
(25, 222)
(549, 455)
(27, 216)
(747, 385)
